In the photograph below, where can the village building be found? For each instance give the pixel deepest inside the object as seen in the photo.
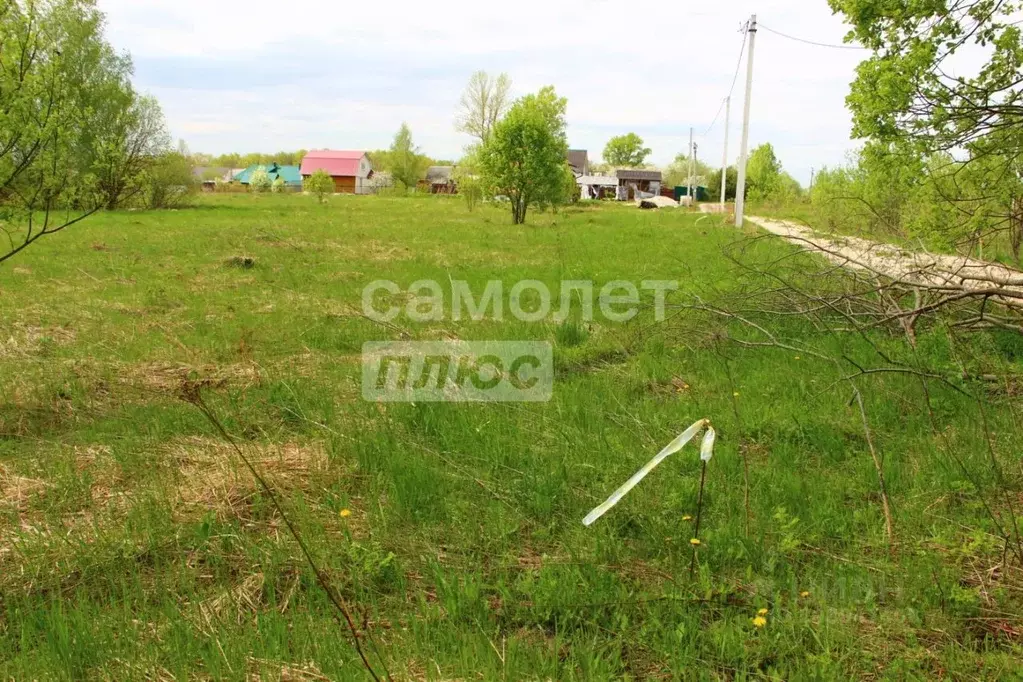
(350, 170)
(439, 180)
(597, 186)
(579, 162)
(208, 177)
(633, 182)
(290, 175)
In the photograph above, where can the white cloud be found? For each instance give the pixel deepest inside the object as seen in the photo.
(264, 76)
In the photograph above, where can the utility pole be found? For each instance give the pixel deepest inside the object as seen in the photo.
(692, 173)
(689, 180)
(724, 159)
(740, 190)
(811, 179)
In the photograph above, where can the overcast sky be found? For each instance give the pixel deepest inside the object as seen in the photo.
(266, 75)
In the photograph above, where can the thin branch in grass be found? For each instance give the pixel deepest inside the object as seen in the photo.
(743, 452)
(878, 466)
(699, 517)
(192, 392)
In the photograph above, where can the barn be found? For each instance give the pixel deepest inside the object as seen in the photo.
(351, 170)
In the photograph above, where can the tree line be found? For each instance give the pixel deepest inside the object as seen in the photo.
(942, 160)
(75, 136)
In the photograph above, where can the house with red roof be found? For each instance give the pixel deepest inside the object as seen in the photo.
(351, 170)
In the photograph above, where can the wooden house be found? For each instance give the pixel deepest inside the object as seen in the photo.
(351, 170)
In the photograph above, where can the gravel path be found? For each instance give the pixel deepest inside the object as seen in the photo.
(951, 273)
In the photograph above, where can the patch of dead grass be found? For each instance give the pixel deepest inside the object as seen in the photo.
(168, 377)
(210, 476)
(17, 492)
(289, 672)
(24, 341)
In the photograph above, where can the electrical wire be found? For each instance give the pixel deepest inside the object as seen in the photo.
(811, 42)
(712, 123)
(738, 66)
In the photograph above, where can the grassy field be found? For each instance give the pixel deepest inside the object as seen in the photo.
(134, 545)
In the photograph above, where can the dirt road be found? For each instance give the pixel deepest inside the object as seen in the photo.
(950, 273)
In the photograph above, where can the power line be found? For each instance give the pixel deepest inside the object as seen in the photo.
(742, 51)
(716, 117)
(811, 42)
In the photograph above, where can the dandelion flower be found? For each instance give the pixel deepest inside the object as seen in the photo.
(804, 594)
(345, 513)
(736, 394)
(759, 621)
(687, 517)
(762, 612)
(694, 542)
(797, 357)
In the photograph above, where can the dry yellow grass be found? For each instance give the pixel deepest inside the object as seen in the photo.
(210, 476)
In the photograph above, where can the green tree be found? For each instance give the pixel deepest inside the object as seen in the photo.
(62, 87)
(135, 137)
(226, 161)
(406, 162)
(467, 177)
(907, 91)
(483, 103)
(320, 184)
(626, 151)
(763, 173)
(524, 158)
(677, 172)
(259, 181)
(917, 97)
(731, 183)
(168, 181)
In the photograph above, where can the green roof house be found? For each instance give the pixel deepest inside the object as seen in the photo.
(291, 175)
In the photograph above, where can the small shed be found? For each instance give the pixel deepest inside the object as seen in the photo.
(596, 186)
(632, 181)
(209, 177)
(440, 180)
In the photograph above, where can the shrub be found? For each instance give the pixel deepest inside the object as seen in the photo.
(319, 184)
(168, 182)
(260, 181)
(471, 189)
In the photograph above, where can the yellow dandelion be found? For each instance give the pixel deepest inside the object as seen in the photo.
(687, 517)
(797, 357)
(694, 542)
(736, 394)
(759, 621)
(345, 513)
(762, 612)
(804, 595)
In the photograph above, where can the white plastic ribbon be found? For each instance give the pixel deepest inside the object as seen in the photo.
(707, 447)
(706, 452)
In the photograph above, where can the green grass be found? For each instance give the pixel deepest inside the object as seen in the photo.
(133, 545)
